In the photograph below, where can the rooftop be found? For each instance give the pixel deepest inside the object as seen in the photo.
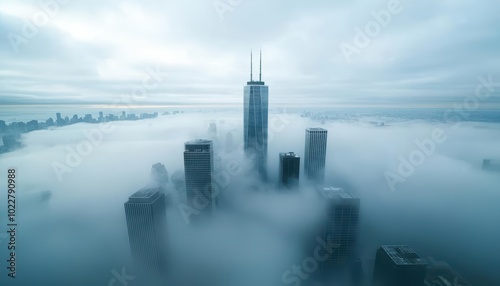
(336, 193)
(145, 194)
(403, 255)
(255, 83)
(289, 154)
(314, 129)
(199, 145)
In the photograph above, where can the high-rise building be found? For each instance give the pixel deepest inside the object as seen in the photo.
(340, 228)
(397, 265)
(289, 170)
(255, 118)
(315, 154)
(198, 168)
(159, 175)
(146, 221)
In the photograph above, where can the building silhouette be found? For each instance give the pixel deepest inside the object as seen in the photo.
(198, 168)
(289, 170)
(255, 120)
(491, 165)
(159, 175)
(340, 229)
(315, 154)
(146, 222)
(397, 265)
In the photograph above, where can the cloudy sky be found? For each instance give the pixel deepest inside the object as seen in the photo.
(421, 53)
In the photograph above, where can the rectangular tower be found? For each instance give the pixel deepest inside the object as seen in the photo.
(340, 230)
(397, 265)
(315, 154)
(289, 170)
(255, 120)
(198, 168)
(146, 222)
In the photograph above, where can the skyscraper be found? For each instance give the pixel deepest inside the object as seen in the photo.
(341, 225)
(255, 118)
(289, 170)
(198, 168)
(315, 154)
(146, 221)
(397, 265)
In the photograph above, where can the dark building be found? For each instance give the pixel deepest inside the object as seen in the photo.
(398, 265)
(315, 154)
(146, 221)
(255, 120)
(159, 175)
(32, 126)
(491, 165)
(289, 170)
(340, 229)
(10, 141)
(198, 168)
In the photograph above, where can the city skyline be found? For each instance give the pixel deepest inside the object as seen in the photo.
(140, 147)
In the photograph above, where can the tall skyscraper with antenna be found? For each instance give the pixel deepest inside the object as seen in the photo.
(255, 118)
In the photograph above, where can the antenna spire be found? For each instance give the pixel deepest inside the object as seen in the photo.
(251, 66)
(260, 68)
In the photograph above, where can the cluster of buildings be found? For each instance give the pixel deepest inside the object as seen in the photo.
(395, 265)
(11, 133)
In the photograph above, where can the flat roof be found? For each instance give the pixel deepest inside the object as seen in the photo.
(199, 141)
(336, 193)
(403, 255)
(145, 194)
(289, 154)
(316, 129)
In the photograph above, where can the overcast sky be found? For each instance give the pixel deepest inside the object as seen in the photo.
(91, 51)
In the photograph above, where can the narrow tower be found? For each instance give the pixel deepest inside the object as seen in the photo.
(255, 120)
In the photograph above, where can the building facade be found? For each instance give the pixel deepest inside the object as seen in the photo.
(146, 222)
(255, 120)
(198, 169)
(289, 170)
(340, 229)
(315, 154)
(397, 265)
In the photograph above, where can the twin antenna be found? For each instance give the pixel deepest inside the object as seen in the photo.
(251, 66)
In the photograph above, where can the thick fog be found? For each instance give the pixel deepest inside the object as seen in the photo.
(72, 228)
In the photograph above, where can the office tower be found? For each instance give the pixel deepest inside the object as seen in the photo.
(255, 118)
(198, 168)
(289, 170)
(397, 265)
(340, 229)
(59, 120)
(315, 154)
(146, 221)
(159, 175)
